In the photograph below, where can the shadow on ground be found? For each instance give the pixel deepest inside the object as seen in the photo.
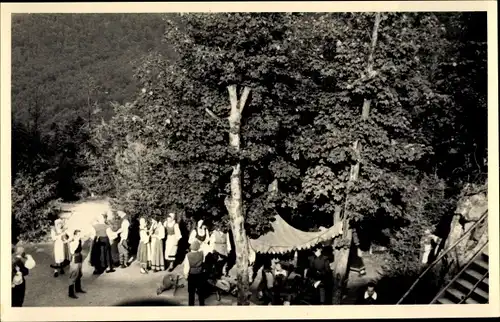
(149, 302)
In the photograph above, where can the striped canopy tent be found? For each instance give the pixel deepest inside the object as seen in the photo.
(284, 238)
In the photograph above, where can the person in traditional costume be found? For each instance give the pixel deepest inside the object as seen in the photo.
(369, 296)
(168, 282)
(429, 244)
(221, 245)
(319, 272)
(173, 233)
(61, 254)
(157, 254)
(114, 237)
(21, 264)
(75, 273)
(201, 235)
(144, 249)
(194, 273)
(123, 245)
(100, 257)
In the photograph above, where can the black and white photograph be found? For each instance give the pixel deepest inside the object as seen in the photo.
(249, 159)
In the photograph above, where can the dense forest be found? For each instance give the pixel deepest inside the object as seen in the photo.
(378, 126)
(66, 72)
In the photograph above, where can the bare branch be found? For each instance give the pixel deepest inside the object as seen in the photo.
(374, 42)
(244, 97)
(212, 114)
(227, 203)
(233, 96)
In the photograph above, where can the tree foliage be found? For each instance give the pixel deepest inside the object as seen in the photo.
(167, 150)
(307, 77)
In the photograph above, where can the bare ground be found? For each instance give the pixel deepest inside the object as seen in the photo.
(125, 284)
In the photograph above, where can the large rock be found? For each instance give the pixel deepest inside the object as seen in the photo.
(471, 208)
(456, 231)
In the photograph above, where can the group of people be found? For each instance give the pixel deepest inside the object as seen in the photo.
(286, 282)
(68, 250)
(158, 248)
(110, 247)
(205, 264)
(159, 243)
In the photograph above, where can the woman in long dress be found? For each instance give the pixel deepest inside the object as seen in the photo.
(60, 249)
(157, 255)
(200, 233)
(144, 249)
(100, 256)
(173, 233)
(114, 238)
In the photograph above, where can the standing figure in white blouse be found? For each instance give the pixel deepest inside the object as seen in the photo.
(123, 246)
(157, 255)
(173, 233)
(220, 245)
(61, 254)
(200, 233)
(144, 249)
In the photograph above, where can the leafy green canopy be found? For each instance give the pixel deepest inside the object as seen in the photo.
(169, 149)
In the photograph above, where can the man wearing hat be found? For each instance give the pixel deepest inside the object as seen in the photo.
(123, 243)
(193, 271)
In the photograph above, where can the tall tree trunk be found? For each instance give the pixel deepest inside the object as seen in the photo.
(234, 204)
(342, 255)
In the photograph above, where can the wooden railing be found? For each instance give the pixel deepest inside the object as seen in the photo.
(444, 253)
(459, 274)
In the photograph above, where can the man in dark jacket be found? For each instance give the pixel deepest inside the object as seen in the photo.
(193, 270)
(320, 274)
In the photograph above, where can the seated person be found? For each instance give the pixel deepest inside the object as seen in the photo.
(168, 283)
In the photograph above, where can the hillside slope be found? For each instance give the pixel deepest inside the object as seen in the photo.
(55, 58)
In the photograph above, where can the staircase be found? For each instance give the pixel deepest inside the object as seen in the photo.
(471, 285)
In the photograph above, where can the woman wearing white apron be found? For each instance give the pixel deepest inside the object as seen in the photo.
(221, 245)
(157, 255)
(200, 234)
(144, 249)
(60, 249)
(173, 233)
